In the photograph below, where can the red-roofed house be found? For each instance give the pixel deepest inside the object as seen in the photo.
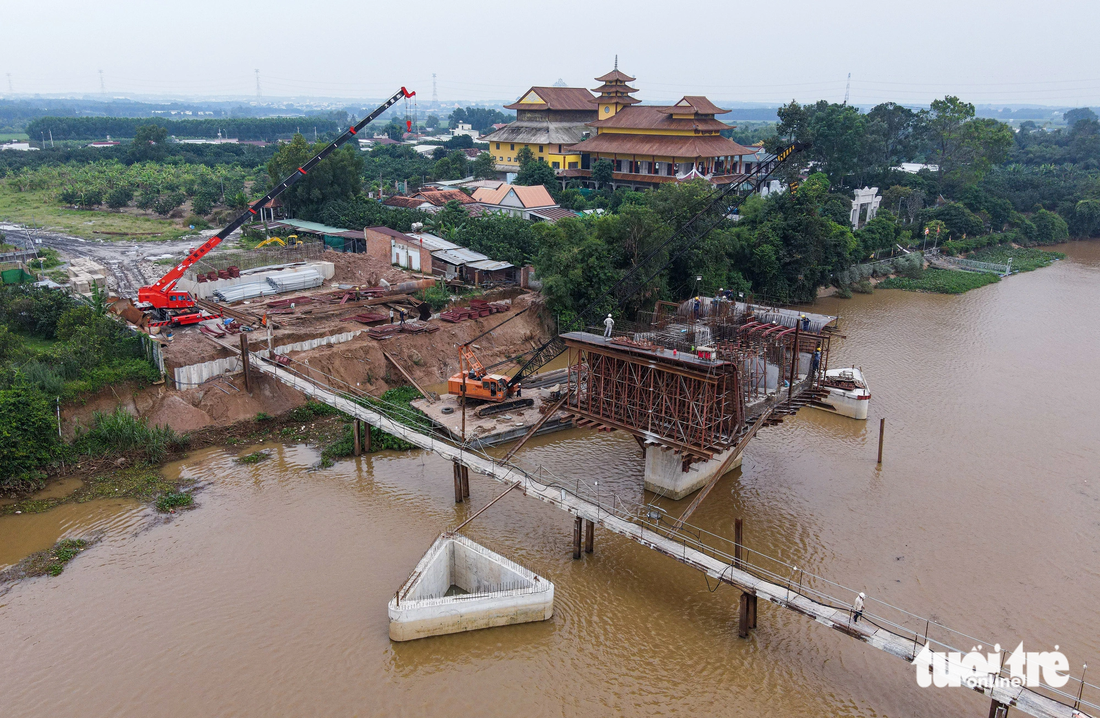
(516, 200)
(430, 201)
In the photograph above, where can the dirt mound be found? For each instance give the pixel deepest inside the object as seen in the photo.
(363, 269)
(178, 414)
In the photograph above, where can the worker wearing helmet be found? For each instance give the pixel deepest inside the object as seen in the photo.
(805, 323)
(608, 324)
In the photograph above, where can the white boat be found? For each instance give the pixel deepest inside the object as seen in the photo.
(848, 394)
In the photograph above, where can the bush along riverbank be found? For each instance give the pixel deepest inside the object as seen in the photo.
(50, 562)
(941, 281)
(120, 455)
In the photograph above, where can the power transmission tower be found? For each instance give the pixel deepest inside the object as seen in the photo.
(848, 88)
(11, 91)
(258, 93)
(102, 87)
(435, 97)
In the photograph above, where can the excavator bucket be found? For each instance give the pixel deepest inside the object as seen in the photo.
(126, 309)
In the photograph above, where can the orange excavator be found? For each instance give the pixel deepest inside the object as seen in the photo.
(473, 382)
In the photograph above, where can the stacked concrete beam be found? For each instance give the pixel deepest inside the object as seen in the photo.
(83, 273)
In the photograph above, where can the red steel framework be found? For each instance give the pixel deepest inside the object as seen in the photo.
(676, 400)
(654, 382)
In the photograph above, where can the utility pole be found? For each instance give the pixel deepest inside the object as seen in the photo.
(848, 88)
(10, 91)
(435, 97)
(258, 93)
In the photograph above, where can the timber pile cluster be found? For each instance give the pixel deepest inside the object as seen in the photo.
(478, 308)
(386, 331)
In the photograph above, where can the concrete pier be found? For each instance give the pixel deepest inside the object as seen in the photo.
(460, 586)
(665, 475)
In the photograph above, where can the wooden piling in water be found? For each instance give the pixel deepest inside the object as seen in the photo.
(244, 362)
(356, 448)
(589, 531)
(465, 475)
(577, 538)
(881, 431)
(738, 531)
(458, 483)
(366, 437)
(998, 709)
(743, 617)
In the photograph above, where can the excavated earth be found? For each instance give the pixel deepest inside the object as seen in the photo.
(428, 358)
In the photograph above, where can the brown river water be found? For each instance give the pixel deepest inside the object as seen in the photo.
(270, 597)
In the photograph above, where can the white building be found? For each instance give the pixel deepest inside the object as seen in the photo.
(22, 146)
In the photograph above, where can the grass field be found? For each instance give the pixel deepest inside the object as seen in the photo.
(1024, 259)
(38, 207)
(13, 136)
(941, 281)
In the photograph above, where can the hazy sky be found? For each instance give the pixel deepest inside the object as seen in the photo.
(985, 51)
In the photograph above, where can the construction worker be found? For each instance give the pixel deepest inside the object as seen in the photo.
(815, 361)
(805, 323)
(608, 325)
(402, 313)
(857, 607)
(391, 315)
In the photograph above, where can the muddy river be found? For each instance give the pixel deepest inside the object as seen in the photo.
(270, 598)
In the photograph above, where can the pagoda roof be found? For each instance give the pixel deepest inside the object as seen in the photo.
(608, 87)
(698, 105)
(616, 75)
(554, 98)
(658, 117)
(662, 145)
(539, 133)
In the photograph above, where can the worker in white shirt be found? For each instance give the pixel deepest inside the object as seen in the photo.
(857, 607)
(608, 324)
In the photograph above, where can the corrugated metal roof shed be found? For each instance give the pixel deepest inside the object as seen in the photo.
(489, 265)
(432, 242)
(459, 256)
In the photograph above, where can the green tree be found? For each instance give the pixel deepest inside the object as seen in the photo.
(202, 203)
(432, 122)
(1072, 117)
(891, 135)
(944, 125)
(150, 144)
(338, 176)
(166, 203)
(602, 172)
(575, 267)
(395, 131)
(524, 157)
(120, 196)
(27, 437)
(484, 167)
(537, 172)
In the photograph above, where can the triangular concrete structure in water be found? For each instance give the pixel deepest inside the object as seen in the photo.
(460, 585)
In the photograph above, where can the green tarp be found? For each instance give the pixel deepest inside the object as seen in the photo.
(15, 276)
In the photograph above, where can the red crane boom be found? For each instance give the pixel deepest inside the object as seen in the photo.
(160, 296)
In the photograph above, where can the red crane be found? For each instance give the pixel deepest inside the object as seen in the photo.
(168, 305)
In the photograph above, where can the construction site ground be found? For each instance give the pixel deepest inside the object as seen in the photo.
(496, 428)
(429, 358)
